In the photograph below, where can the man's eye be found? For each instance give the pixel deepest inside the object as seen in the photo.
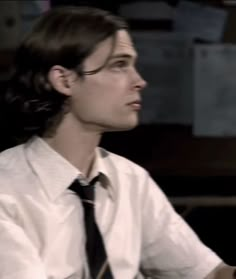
(121, 64)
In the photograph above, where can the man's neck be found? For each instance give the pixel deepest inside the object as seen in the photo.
(76, 144)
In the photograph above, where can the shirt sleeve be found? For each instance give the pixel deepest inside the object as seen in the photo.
(18, 257)
(171, 249)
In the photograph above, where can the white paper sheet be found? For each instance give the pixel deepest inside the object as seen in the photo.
(165, 62)
(200, 21)
(215, 90)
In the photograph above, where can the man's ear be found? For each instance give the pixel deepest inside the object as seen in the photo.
(61, 79)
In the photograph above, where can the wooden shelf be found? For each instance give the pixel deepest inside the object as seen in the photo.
(172, 150)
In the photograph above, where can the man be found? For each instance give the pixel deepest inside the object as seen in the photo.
(75, 78)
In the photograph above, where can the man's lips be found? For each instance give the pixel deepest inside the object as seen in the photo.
(135, 104)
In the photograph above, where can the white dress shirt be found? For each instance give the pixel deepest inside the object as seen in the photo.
(41, 222)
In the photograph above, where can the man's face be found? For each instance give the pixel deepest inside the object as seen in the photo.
(110, 99)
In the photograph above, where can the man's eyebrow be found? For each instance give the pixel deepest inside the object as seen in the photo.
(123, 55)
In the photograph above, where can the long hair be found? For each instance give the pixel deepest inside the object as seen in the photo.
(63, 36)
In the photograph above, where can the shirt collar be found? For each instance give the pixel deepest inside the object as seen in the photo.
(56, 173)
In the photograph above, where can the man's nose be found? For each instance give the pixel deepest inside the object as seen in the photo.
(140, 82)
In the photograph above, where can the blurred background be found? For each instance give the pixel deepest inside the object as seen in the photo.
(187, 133)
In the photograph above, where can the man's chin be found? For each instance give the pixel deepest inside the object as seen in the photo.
(120, 128)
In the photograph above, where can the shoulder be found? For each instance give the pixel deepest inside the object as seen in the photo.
(12, 167)
(11, 156)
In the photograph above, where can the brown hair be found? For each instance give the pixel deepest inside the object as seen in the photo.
(63, 36)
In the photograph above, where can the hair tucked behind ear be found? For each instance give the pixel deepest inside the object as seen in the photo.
(63, 36)
(27, 115)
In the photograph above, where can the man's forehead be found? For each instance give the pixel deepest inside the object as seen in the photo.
(120, 45)
(124, 44)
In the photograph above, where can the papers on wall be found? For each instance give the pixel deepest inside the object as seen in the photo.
(30, 11)
(147, 10)
(10, 24)
(215, 90)
(165, 63)
(200, 21)
(16, 18)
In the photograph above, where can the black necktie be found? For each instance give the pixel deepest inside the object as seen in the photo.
(96, 253)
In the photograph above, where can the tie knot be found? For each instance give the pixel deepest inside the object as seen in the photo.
(85, 190)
